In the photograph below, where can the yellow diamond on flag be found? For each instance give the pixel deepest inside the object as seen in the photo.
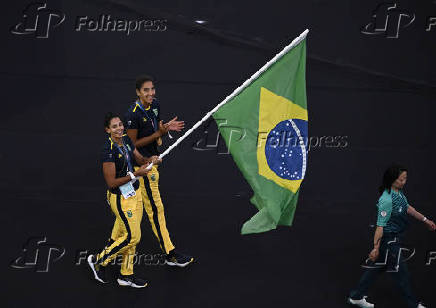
(275, 110)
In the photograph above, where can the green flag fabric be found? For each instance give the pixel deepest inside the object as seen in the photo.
(265, 129)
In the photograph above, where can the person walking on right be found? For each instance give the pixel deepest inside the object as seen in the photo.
(392, 222)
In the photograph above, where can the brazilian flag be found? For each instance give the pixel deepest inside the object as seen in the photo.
(271, 116)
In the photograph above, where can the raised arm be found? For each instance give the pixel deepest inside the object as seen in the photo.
(175, 125)
(141, 160)
(141, 142)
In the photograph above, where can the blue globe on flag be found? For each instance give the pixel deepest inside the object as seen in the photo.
(285, 149)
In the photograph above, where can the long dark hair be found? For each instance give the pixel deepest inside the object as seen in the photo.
(391, 174)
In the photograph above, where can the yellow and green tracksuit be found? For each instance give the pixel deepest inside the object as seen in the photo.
(146, 122)
(126, 232)
(149, 189)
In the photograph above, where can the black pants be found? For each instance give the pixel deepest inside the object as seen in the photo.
(389, 260)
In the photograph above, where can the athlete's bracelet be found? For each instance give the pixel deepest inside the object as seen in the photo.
(424, 219)
(132, 176)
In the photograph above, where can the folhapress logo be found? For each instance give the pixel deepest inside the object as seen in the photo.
(387, 20)
(38, 20)
(38, 255)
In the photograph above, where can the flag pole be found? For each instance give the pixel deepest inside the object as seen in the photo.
(238, 90)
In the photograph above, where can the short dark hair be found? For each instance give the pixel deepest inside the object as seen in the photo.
(391, 174)
(108, 118)
(141, 79)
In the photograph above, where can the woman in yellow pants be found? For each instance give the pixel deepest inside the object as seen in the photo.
(118, 155)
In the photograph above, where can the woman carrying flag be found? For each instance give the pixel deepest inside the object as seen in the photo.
(118, 157)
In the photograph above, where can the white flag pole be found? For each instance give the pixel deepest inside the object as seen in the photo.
(238, 90)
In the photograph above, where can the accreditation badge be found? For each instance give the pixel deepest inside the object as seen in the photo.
(127, 190)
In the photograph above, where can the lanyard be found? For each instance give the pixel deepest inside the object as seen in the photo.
(125, 154)
(153, 120)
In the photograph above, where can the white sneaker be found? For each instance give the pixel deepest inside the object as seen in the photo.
(421, 306)
(131, 281)
(361, 302)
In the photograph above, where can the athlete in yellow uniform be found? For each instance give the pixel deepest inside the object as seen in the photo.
(146, 129)
(118, 156)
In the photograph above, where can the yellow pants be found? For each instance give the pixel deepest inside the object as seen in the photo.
(126, 232)
(149, 187)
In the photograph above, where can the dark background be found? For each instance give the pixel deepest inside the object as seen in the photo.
(375, 93)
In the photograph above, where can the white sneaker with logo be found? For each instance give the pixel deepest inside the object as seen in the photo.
(361, 302)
